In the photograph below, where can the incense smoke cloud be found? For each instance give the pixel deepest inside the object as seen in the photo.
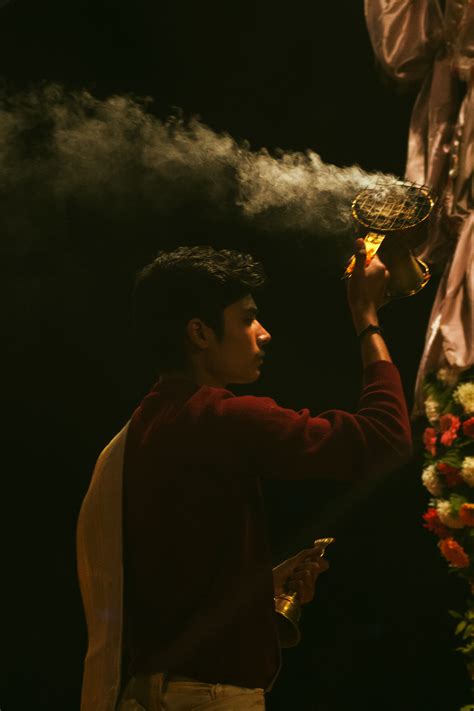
(91, 189)
(70, 151)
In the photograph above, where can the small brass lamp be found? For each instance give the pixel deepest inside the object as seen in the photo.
(388, 217)
(288, 608)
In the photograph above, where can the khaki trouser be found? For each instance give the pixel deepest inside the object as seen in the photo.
(156, 692)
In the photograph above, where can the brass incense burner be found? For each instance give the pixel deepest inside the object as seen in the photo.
(388, 215)
(288, 608)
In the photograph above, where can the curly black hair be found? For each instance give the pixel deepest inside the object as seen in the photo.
(189, 282)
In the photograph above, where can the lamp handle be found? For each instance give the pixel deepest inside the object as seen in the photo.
(372, 240)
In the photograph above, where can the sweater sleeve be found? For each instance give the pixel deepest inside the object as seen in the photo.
(285, 444)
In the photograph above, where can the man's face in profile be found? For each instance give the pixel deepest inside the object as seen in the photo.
(238, 356)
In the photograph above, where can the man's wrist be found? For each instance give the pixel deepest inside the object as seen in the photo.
(370, 328)
(372, 345)
(361, 321)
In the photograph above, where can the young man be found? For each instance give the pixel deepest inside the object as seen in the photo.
(199, 621)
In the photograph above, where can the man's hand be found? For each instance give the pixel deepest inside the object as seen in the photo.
(299, 574)
(366, 288)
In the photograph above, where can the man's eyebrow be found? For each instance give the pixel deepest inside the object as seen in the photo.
(251, 310)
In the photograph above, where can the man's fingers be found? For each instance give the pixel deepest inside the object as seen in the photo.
(306, 576)
(313, 566)
(309, 572)
(303, 583)
(313, 554)
(360, 254)
(309, 554)
(298, 586)
(303, 578)
(306, 554)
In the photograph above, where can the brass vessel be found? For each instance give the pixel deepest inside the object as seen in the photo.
(288, 608)
(390, 217)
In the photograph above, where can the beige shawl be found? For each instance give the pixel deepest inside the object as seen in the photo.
(100, 570)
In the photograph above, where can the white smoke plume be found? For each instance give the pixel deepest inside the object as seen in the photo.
(59, 149)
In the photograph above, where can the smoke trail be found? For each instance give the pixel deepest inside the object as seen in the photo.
(63, 152)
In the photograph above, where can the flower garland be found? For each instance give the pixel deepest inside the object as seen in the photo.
(448, 475)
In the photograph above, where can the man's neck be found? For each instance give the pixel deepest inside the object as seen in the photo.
(195, 375)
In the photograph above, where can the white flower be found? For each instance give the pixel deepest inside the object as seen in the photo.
(448, 376)
(446, 516)
(432, 409)
(467, 470)
(464, 395)
(431, 480)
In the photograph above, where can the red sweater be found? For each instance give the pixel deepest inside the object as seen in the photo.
(198, 578)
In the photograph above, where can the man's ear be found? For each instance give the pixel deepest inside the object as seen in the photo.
(198, 333)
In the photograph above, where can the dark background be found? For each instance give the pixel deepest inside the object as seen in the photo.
(290, 75)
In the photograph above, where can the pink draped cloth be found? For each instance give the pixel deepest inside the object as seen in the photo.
(100, 570)
(416, 41)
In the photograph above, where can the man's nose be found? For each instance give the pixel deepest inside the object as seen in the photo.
(263, 336)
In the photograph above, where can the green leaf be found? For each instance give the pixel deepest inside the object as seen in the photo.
(452, 457)
(456, 501)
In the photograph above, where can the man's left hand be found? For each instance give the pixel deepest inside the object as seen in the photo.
(299, 574)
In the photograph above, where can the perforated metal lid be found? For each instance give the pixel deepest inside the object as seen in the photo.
(389, 208)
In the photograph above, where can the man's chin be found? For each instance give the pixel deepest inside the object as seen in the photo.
(255, 376)
(247, 379)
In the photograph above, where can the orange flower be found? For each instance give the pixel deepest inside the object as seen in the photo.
(454, 553)
(453, 478)
(449, 425)
(433, 524)
(429, 440)
(466, 514)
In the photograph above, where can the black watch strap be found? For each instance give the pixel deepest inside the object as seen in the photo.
(371, 328)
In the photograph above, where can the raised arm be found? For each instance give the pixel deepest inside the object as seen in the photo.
(336, 444)
(366, 294)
